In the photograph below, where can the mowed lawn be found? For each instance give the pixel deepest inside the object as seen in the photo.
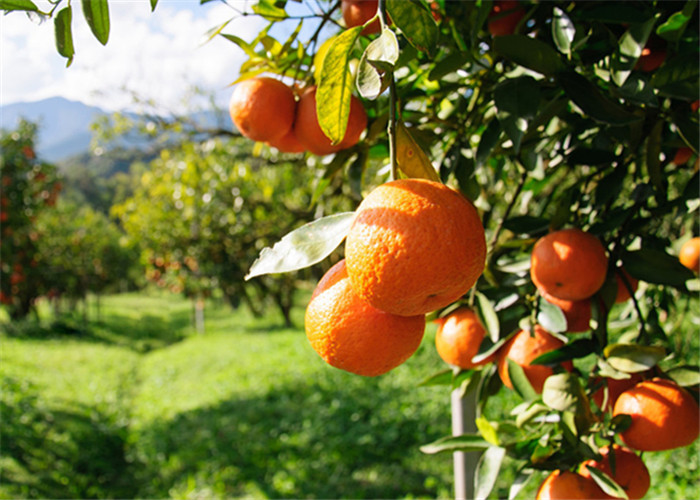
(135, 404)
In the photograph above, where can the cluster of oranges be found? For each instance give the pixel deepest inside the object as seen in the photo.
(267, 110)
(414, 246)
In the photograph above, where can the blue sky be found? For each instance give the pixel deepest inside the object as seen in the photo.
(156, 56)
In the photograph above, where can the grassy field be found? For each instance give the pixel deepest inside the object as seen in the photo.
(135, 404)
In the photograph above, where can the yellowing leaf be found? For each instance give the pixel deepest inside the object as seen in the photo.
(410, 158)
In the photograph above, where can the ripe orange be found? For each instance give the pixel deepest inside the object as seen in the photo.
(351, 335)
(623, 292)
(690, 254)
(458, 338)
(309, 132)
(568, 264)
(504, 17)
(682, 156)
(525, 347)
(651, 59)
(358, 12)
(415, 246)
(288, 143)
(567, 485)
(576, 312)
(262, 108)
(615, 388)
(664, 416)
(630, 472)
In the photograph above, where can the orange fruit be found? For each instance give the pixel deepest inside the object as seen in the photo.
(682, 156)
(615, 388)
(630, 472)
(664, 415)
(504, 17)
(262, 108)
(650, 59)
(351, 335)
(525, 347)
(308, 130)
(568, 264)
(576, 312)
(689, 255)
(288, 143)
(415, 246)
(567, 485)
(358, 12)
(623, 292)
(458, 338)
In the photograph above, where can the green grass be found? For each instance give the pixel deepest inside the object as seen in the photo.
(135, 404)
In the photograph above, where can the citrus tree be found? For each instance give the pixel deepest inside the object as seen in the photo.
(571, 128)
(28, 188)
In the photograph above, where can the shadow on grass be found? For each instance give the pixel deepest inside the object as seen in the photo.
(297, 441)
(59, 453)
(141, 334)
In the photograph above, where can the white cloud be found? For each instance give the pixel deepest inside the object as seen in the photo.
(156, 55)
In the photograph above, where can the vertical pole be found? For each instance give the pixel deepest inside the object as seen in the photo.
(463, 421)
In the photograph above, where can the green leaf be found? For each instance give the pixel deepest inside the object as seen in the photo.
(335, 87)
(487, 471)
(97, 16)
(524, 475)
(415, 22)
(64, 36)
(685, 376)
(678, 77)
(656, 266)
(606, 483)
(633, 358)
(579, 348)
(526, 224)
(27, 5)
(245, 46)
(531, 411)
(443, 377)
(563, 31)
(410, 158)
(629, 49)
(551, 317)
(489, 139)
(562, 392)
(487, 430)
(303, 247)
(672, 30)
(592, 101)
(518, 97)
(153, 5)
(465, 442)
(488, 316)
(376, 66)
(521, 384)
(529, 52)
(271, 10)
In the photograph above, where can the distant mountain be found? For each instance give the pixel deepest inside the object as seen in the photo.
(64, 125)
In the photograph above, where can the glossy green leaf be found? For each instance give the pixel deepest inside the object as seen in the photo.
(678, 77)
(521, 384)
(674, 27)
(592, 101)
(563, 31)
(562, 392)
(685, 376)
(271, 10)
(633, 358)
(303, 247)
(579, 348)
(376, 66)
(518, 97)
(489, 139)
(487, 470)
(335, 87)
(551, 317)
(64, 35)
(443, 377)
(629, 49)
(526, 224)
(606, 483)
(523, 477)
(488, 316)
(26, 5)
(529, 53)
(530, 412)
(487, 430)
(415, 22)
(97, 16)
(154, 3)
(465, 442)
(656, 266)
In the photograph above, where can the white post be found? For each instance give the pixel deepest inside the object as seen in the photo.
(463, 421)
